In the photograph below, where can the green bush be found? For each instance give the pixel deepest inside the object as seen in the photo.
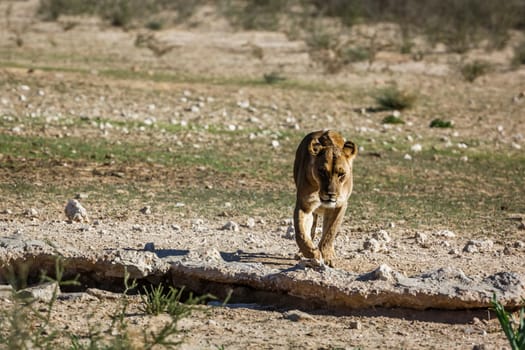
(392, 119)
(440, 123)
(391, 98)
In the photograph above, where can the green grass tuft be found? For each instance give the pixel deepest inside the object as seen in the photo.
(473, 70)
(392, 119)
(516, 337)
(439, 123)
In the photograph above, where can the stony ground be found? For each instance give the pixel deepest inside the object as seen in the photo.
(91, 82)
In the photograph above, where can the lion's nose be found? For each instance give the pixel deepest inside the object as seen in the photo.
(331, 196)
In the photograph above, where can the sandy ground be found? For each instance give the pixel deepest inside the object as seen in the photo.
(489, 110)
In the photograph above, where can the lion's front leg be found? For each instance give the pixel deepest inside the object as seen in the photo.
(331, 221)
(303, 222)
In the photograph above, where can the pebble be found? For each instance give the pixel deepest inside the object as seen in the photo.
(519, 244)
(372, 245)
(383, 273)
(275, 144)
(31, 212)
(45, 292)
(445, 233)
(250, 222)
(416, 148)
(75, 211)
(355, 325)
(137, 228)
(230, 226)
(298, 316)
(290, 232)
(475, 246)
(407, 157)
(175, 227)
(243, 104)
(382, 235)
(146, 210)
(421, 239)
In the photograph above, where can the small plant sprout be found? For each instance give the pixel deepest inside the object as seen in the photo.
(516, 337)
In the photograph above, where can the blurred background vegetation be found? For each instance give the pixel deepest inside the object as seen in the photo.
(454, 22)
(329, 27)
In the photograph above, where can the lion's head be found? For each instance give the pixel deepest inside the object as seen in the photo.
(332, 158)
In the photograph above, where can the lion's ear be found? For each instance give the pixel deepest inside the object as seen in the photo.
(350, 149)
(315, 147)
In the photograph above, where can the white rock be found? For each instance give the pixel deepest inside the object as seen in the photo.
(382, 235)
(384, 273)
(243, 104)
(230, 226)
(175, 227)
(75, 211)
(372, 245)
(250, 222)
(475, 246)
(45, 292)
(416, 148)
(407, 157)
(31, 212)
(462, 145)
(298, 316)
(445, 233)
(421, 239)
(275, 144)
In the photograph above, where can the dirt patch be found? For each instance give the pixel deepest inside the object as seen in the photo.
(85, 113)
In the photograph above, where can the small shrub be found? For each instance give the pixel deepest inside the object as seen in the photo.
(440, 123)
(516, 337)
(355, 54)
(391, 98)
(273, 77)
(156, 301)
(392, 119)
(320, 40)
(155, 25)
(471, 71)
(519, 54)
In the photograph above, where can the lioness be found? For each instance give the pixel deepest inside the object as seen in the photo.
(323, 178)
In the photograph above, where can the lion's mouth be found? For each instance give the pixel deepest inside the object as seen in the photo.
(328, 202)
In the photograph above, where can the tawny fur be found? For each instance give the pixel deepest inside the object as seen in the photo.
(323, 178)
